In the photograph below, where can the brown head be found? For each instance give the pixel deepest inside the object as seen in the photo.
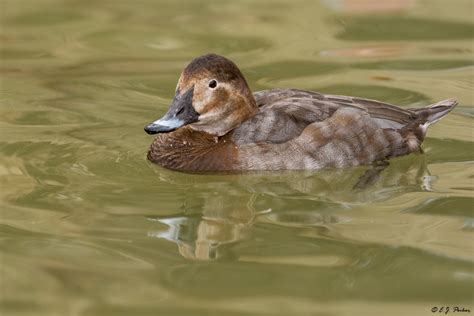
(212, 96)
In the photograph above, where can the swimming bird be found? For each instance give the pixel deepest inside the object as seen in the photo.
(215, 123)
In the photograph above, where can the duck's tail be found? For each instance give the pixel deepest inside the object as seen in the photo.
(435, 112)
(424, 117)
(415, 133)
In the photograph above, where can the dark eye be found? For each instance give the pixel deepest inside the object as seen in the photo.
(213, 83)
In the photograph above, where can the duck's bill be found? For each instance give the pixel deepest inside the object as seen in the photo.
(164, 125)
(180, 113)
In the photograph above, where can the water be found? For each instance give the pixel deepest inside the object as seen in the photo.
(89, 227)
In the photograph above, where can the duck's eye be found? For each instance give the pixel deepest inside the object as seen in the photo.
(213, 83)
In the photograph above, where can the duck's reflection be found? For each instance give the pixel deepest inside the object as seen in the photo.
(227, 207)
(200, 238)
(223, 220)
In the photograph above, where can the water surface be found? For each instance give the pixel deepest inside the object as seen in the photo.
(89, 227)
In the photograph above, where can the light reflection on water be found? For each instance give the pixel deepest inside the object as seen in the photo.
(90, 227)
(326, 204)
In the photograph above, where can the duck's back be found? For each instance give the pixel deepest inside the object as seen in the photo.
(297, 129)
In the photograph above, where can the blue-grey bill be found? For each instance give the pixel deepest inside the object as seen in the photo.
(164, 126)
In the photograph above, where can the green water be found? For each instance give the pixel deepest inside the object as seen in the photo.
(89, 227)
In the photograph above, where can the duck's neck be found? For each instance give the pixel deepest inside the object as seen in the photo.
(226, 117)
(188, 150)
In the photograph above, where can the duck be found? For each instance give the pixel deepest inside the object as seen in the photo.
(216, 124)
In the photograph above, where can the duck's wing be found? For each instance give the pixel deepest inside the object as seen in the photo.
(327, 102)
(285, 113)
(385, 114)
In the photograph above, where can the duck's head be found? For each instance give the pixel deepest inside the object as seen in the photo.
(212, 96)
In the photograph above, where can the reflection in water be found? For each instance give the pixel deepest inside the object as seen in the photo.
(207, 228)
(203, 237)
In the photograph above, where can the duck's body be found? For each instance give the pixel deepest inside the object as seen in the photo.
(281, 129)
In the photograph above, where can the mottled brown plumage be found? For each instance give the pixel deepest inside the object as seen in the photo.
(280, 128)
